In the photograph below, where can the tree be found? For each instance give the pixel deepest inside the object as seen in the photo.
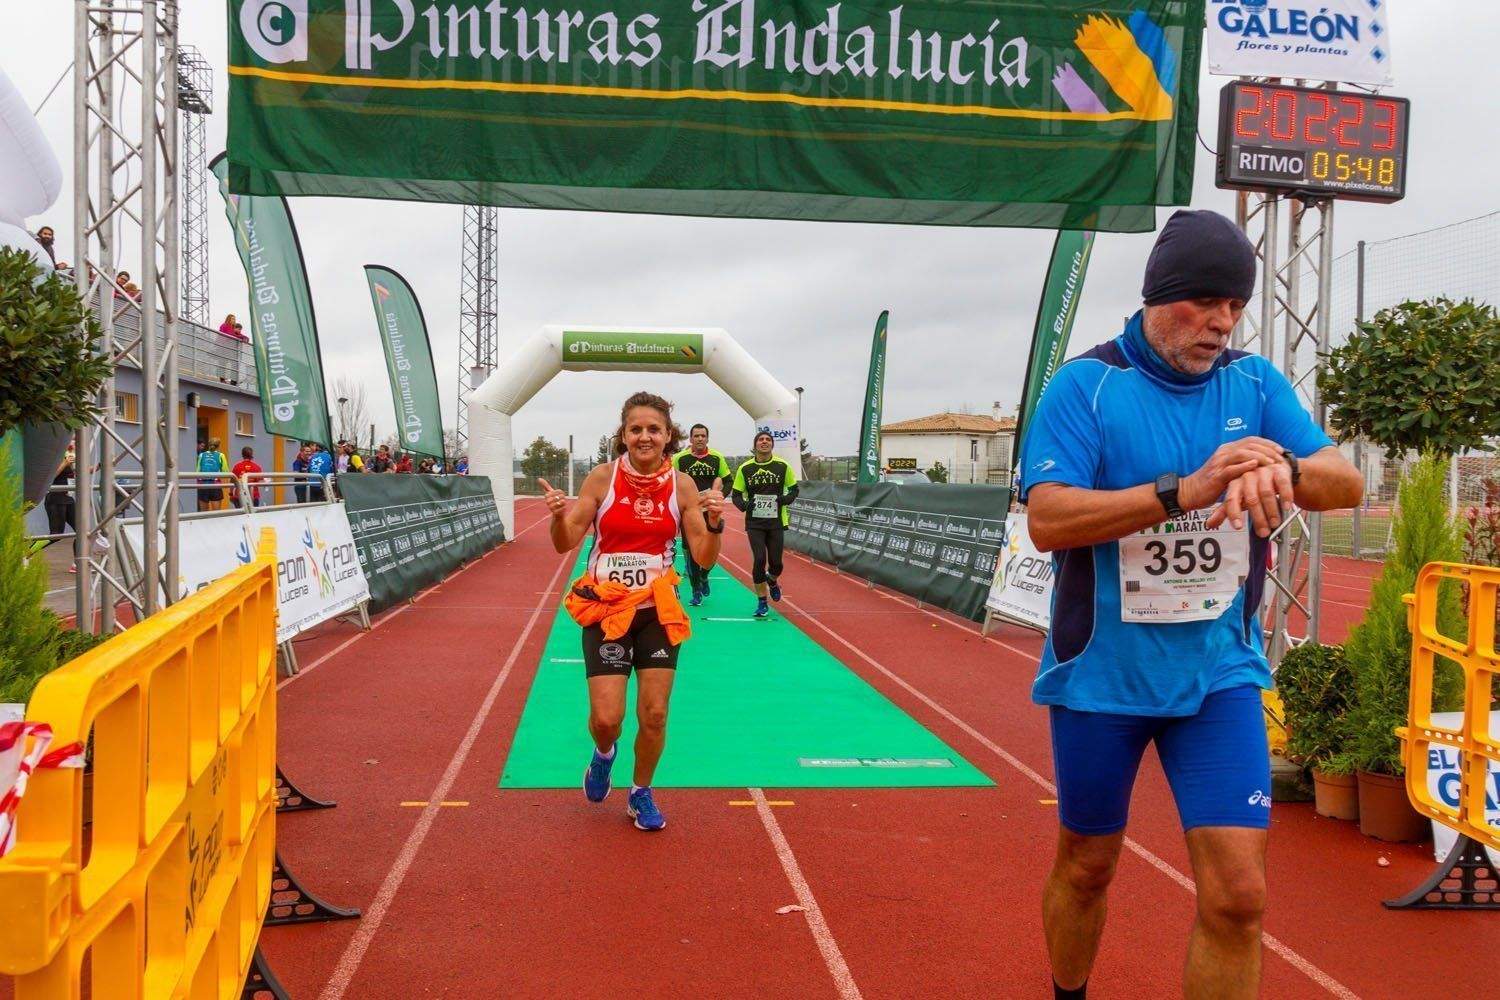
(352, 416)
(606, 452)
(1420, 376)
(544, 459)
(50, 371)
(937, 473)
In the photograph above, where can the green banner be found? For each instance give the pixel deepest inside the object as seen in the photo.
(590, 347)
(1067, 114)
(1054, 319)
(936, 542)
(288, 363)
(412, 531)
(870, 416)
(408, 361)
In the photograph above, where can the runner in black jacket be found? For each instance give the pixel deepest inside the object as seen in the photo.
(764, 487)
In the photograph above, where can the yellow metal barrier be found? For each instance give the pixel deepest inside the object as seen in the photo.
(1474, 743)
(168, 899)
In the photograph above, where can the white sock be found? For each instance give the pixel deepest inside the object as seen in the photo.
(607, 756)
(636, 788)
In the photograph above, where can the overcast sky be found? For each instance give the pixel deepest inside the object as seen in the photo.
(802, 297)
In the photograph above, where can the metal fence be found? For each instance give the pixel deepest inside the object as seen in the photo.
(201, 353)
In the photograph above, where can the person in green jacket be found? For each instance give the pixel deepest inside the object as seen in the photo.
(708, 470)
(764, 487)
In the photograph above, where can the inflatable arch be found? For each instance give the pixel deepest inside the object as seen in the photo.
(771, 405)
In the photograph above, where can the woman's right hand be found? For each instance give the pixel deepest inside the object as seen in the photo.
(555, 499)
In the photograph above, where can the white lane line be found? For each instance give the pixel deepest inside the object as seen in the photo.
(354, 952)
(827, 946)
(730, 619)
(1314, 973)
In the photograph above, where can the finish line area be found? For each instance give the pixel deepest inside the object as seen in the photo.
(868, 886)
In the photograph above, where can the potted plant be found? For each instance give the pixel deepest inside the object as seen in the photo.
(1379, 653)
(1315, 685)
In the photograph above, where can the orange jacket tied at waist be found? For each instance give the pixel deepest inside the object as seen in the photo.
(590, 602)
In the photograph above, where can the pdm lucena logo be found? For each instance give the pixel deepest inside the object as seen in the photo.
(275, 29)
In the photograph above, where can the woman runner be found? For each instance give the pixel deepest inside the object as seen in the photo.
(626, 599)
(764, 487)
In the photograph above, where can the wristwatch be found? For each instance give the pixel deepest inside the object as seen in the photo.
(1166, 492)
(711, 529)
(1291, 459)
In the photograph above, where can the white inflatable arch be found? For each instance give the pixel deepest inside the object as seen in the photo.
(771, 405)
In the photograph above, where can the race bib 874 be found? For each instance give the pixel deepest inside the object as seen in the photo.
(764, 505)
(1182, 571)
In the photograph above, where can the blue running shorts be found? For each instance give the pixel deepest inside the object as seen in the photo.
(1217, 763)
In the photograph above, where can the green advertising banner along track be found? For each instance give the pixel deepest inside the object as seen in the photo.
(412, 531)
(870, 416)
(408, 361)
(937, 542)
(288, 360)
(1069, 114)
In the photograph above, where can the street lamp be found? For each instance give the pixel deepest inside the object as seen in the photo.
(343, 418)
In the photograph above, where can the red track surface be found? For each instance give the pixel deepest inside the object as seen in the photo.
(910, 893)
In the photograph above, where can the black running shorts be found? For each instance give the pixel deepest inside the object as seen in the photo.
(643, 647)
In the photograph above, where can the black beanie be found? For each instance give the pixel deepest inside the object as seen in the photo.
(1199, 255)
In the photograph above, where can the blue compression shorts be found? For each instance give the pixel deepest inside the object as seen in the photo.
(1217, 763)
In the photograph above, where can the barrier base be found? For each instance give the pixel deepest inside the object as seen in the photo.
(261, 982)
(290, 798)
(1464, 881)
(292, 904)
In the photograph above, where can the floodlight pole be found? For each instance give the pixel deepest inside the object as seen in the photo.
(478, 298)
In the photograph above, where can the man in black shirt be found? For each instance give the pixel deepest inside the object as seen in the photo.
(708, 470)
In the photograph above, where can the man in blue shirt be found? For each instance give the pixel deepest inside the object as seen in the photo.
(1156, 469)
(320, 463)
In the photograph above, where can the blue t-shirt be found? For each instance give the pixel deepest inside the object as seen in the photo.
(1116, 417)
(321, 463)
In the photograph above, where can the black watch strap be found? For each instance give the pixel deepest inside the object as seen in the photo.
(711, 529)
(1291, 460)
(1166, 492)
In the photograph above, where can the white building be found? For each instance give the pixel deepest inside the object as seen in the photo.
(973, 448)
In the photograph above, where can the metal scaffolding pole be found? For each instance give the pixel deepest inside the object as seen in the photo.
(195, 98)
(478, 303)
(125, 171)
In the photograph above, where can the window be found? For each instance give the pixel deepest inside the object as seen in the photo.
(973, 449)
(181, 415)
(244, 423)
(128, 407)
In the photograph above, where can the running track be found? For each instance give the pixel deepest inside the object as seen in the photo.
(903, 893)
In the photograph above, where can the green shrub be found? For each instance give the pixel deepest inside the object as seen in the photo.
(1379, 648)
(50, 370)
(937, 473)
(28, 639)
(1316, 687)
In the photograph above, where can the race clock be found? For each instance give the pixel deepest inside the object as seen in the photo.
(1317, 143)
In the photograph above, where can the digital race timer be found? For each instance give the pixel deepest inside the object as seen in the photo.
(1312, 142)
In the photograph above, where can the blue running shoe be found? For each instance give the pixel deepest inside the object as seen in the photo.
(775, 588)
(697, 598)
(596, 783)
(762, 609)
(643, 810)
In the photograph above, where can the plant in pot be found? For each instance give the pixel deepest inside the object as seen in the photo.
(1379, 654)
(1418, 378)
(1315, 685)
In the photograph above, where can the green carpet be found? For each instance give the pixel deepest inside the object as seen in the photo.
(756, 703)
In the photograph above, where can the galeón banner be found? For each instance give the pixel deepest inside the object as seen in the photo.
(408, 361)
(1343, 40)
(288, 365)
(869, 420)
(1054, 318)
(1002, 113)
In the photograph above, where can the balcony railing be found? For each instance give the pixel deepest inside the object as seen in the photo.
(202, 353)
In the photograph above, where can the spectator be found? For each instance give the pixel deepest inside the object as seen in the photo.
(247, 468)
(211, 488)
(301, 464)
(403, 462)
(382, 460)
(426, 467)
(227, 327)
(59, 503)
(462, 468)
(45, 237)
(320, 464)
(341, 456)
(356, 463)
